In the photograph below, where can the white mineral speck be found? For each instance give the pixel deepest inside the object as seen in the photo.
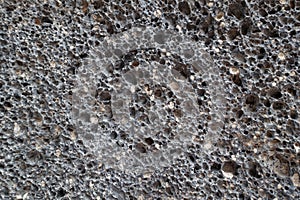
(57, 153)
(210, 4)
(233, 157)
(157, 13)
(16, 128)
(147, 175)
(234, 71)
(179, 28)
(293, 73)
(171, 105)
(152, 98)
(52, 64)
(140, 198)
(281, 56)
(227, 175)
(132, 88)
(94, 120)
(25, 196)
(91, 185)
(282, 1)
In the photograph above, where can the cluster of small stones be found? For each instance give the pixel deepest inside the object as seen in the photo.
(255, 45)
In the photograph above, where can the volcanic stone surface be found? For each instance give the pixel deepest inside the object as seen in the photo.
(168, 99)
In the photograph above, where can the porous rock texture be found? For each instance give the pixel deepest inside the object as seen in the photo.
(50, 149)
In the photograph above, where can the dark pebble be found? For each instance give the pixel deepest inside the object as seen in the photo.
(237, 10)
(184, 8)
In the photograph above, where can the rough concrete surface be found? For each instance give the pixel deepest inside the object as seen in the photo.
(161, 99)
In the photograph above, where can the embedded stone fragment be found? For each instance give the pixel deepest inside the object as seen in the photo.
(252, 101)
(275, 93)
(184, 7)
(237, 10)
(281, 168)
(229, 169)
(296, 180)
